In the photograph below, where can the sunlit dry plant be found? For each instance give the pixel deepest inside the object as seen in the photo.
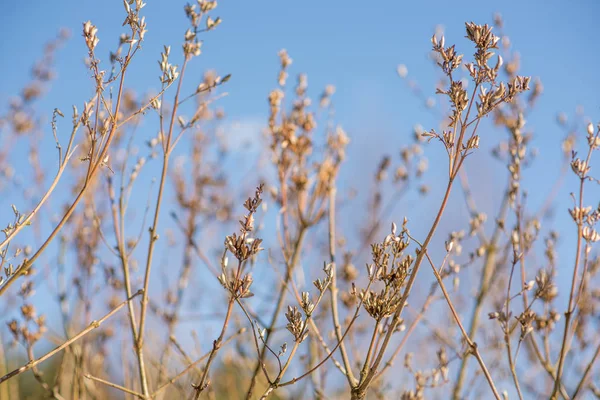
(164, 291)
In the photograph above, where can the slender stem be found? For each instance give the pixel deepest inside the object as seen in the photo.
(456, 162)
(472, 345)
(365, 367)
(511, 365)
(114, 385)
(587, 371)
(219, 341)
(26, 266)
(317, 333)
(313, 369)
(153, 231)
(282, 292)
(484, 285)
(334, 290)
(93, 325)
(193, 365)
(396, 318)
(506, 324)
(409, 331)
(545, 363)
(17, 227)
(572, 304)
(118, 216)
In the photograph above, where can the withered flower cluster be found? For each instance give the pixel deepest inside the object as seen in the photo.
(432, 378)
(490, 93)
(243, 248)
(390, 267)
(304, 177)
(297, 324)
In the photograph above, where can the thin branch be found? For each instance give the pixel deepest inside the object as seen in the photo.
(115, 386)
(204, 357)
(472, 345)
(334, 290)
(93, 325)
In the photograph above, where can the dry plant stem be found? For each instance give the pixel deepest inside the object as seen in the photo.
(319, 337)
(334, 291)
(365, 367)
(317, 333)
(182, 283)
(181, 351)
(36, 373)
(531, 336)
(276, 383)
(472, 345)
(526, 306)
(484, 285)
(139, 346)
(506, 327)
(219, 341)
(546, 364)
(290, 268)
(409, 331)
(511, 365)
(119, 226)
(196, 248)
(470, 202)
(93, 325)
(63, 165)
(572, 304)
(193, 365)
(360, 391)
(255, 337)
(313, 369)
(114, 385)
(94, 167)
(587, 371)
(282, 370)
(595, 390)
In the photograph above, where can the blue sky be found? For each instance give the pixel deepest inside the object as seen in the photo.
(356, 46)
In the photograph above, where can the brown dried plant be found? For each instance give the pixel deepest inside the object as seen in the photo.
(235, 317)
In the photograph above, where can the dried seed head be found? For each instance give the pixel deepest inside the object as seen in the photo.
(546, 289)
(295, 323)
(90, 35)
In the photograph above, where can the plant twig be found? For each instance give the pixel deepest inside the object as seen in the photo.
(115, 386)
(93, 325)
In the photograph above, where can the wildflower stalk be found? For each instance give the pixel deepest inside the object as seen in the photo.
(118, 216)
(506, 327)
(93, 325)
(489, 265)
(586, 372)
(333, 289)
(290, 266)
(193, 365)
(115, 386)
(472, 345)
(94, 167)
(359, 392)
(419, 317)
(63, 163)
(167, 149)
(564, 349)
(204, 382)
